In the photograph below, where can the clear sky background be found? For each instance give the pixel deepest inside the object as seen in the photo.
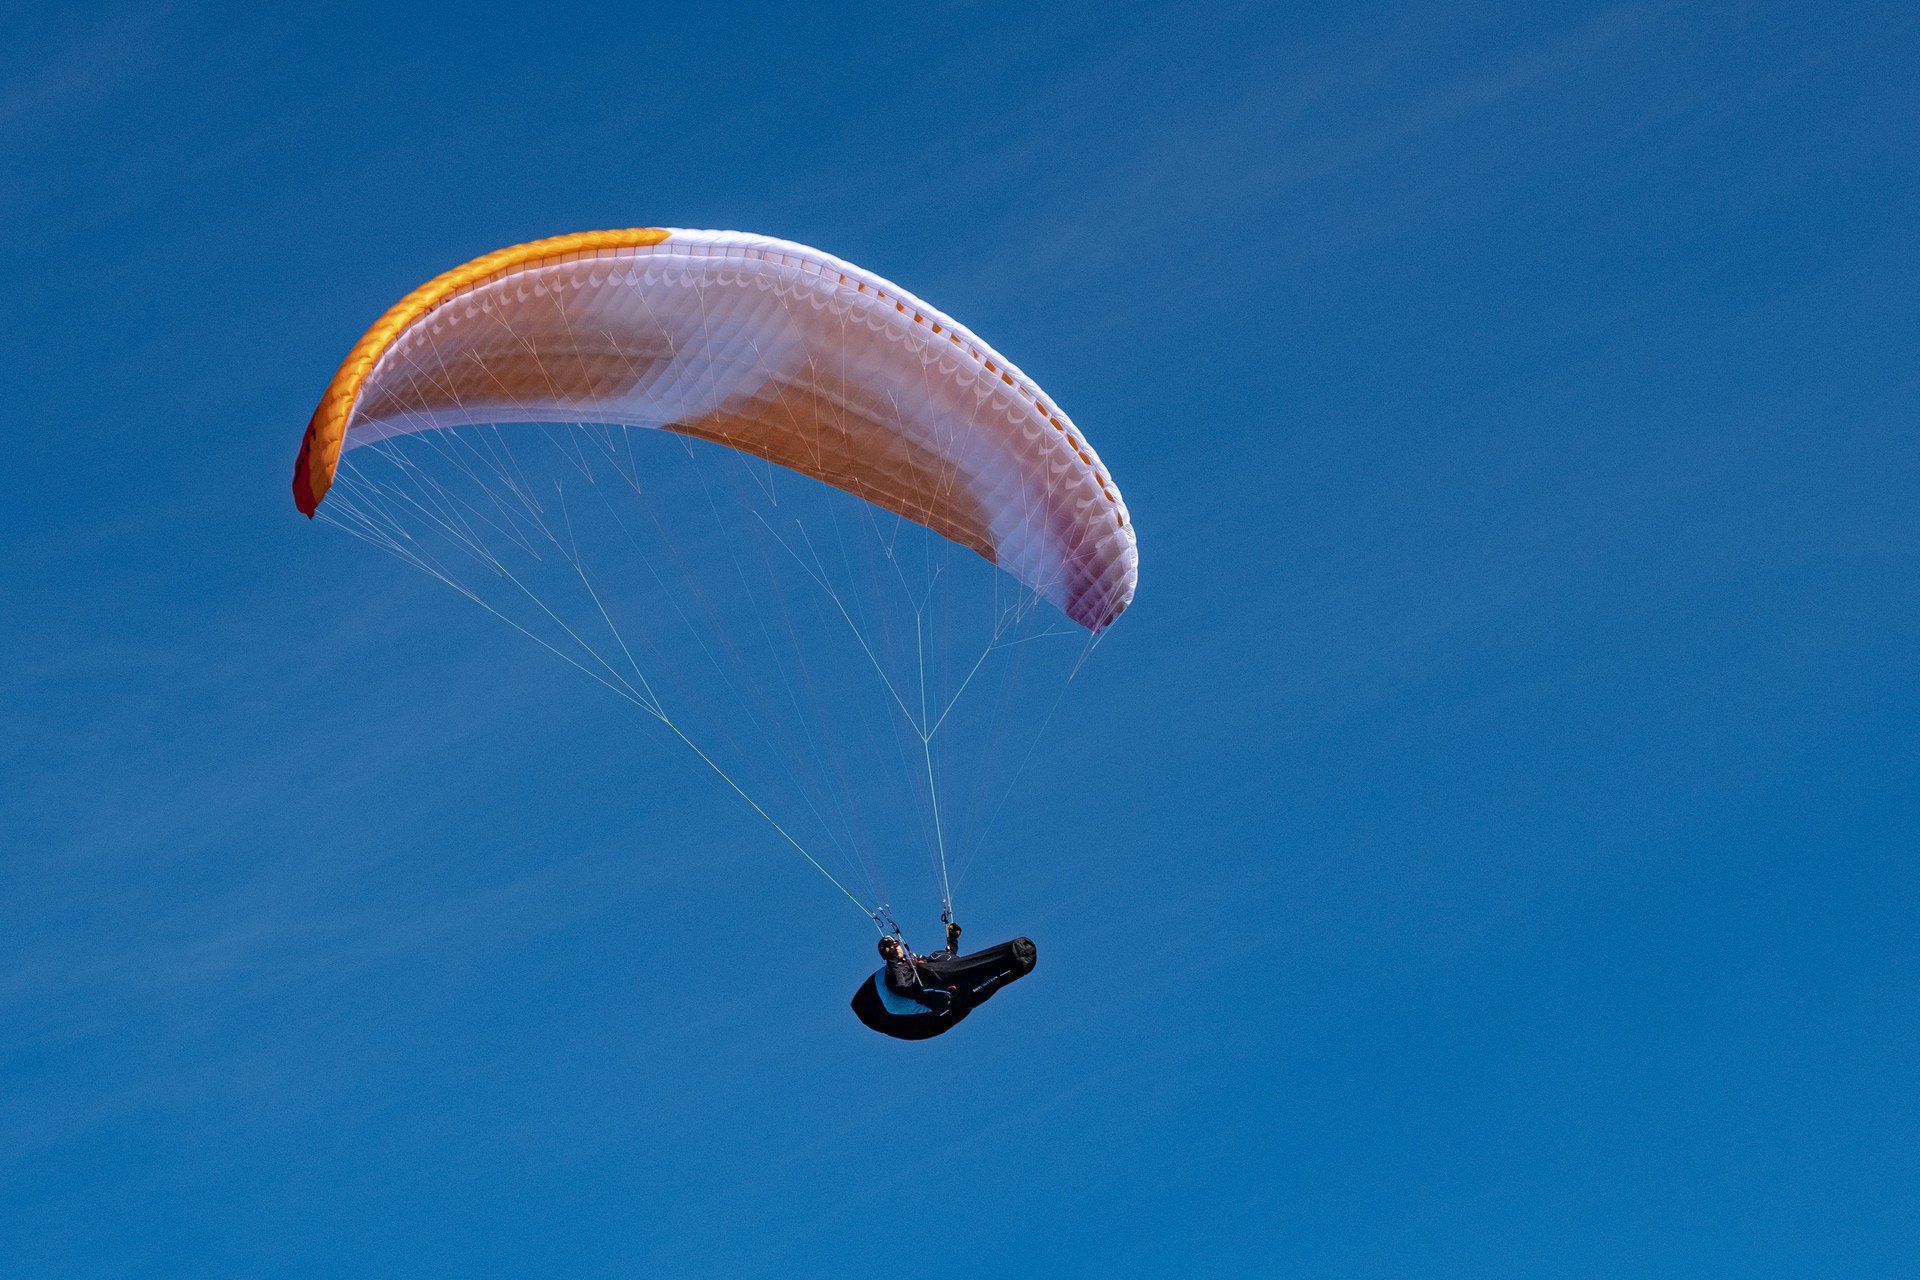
(1489, 843)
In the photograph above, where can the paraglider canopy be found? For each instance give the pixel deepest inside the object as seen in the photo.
(810, 524)
(765, 346)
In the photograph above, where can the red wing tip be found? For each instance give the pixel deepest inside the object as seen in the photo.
(303, 495)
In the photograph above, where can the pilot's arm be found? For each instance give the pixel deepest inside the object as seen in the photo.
(903, 979)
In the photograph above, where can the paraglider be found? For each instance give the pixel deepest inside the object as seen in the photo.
(918, 997)
(820, 639)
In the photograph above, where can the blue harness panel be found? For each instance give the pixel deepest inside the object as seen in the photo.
(892, 1001)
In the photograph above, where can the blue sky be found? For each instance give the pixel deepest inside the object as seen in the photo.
(1492, 849)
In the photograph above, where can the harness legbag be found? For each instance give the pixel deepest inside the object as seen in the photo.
(970, 980)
